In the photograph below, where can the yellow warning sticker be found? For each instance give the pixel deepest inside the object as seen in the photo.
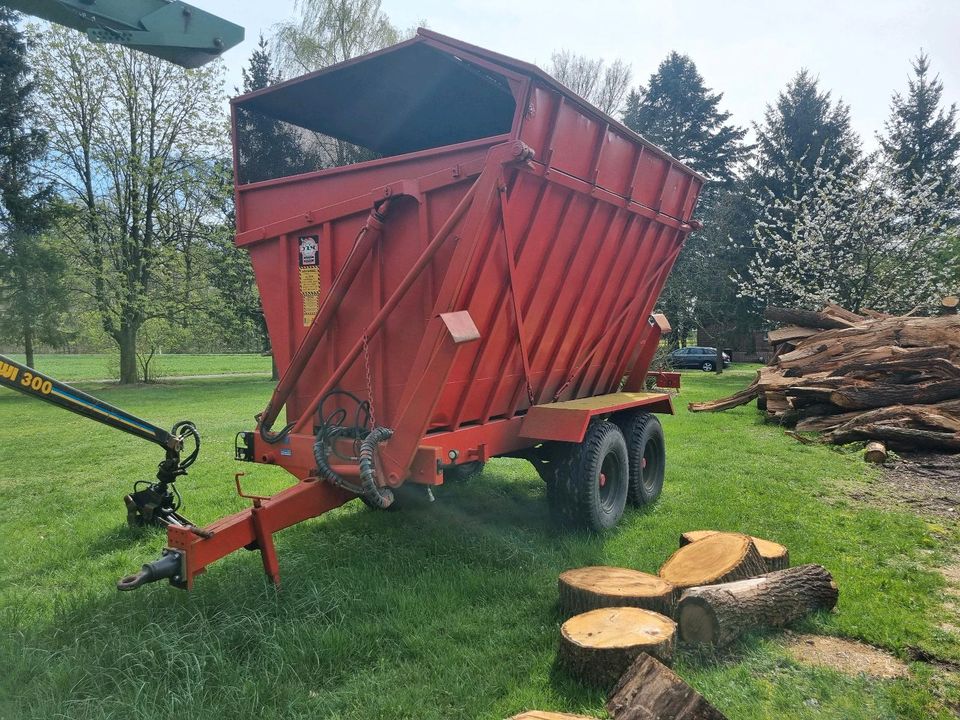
(310, 290)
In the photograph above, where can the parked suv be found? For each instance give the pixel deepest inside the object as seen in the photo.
(704, 358)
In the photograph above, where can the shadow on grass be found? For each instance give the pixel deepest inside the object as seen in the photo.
(371, 602)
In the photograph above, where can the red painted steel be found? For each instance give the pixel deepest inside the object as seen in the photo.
(460, 284)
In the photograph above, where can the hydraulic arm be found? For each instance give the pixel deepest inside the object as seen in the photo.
(174, 31)
(156, 502)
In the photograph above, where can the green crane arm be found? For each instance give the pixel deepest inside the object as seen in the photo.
(171, 30)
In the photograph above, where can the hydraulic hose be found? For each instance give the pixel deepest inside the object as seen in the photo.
(381, 497)
(326, 472)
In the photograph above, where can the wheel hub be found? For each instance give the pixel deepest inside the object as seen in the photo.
(603, 479)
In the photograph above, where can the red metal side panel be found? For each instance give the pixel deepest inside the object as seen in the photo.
(576, 243)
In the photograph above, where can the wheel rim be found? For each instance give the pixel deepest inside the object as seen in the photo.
(608, 481)
(651, 464)
(707, 367)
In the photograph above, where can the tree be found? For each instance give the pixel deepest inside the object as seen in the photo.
(267, 148)
(802, 129)
(921, 139)
(327, 32)
(678, 112)
(129, 134)
(32, 294)
(847, 239)
(592, 79)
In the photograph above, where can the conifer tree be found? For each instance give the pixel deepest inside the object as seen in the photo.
(680, 114)
(921, 139)
(802, 130)
(268, 148)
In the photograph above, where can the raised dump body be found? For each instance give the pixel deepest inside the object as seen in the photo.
(480, 284)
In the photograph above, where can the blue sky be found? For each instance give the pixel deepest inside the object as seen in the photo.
(746, 49)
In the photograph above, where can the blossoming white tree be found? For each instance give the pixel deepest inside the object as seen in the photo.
(851, 239)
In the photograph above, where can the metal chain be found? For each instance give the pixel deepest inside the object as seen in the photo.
(366, 365)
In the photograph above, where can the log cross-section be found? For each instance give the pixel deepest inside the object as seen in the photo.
(589, 588)
(718, 558)
(775, 556)
(597, 646)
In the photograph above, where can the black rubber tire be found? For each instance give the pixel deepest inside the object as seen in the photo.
(590, 487)
(647, 456)
(467, 470)
(708, 366)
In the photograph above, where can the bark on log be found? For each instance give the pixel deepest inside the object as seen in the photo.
(649, 690)
(897, 437)
(589, 588)
(881, 395)
(842, 313)
(597, 646)
(804, 318)
(715, 559)
(740, 398)
(545, 715)
(790, 332)
(775, 556)
(875, 452)
(718, 614)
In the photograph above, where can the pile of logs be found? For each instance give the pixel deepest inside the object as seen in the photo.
(623, 625)
(867, 377)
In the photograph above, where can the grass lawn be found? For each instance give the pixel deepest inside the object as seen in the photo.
(443, 611)
(70, 368)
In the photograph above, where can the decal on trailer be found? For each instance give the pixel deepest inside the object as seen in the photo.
(309, 276)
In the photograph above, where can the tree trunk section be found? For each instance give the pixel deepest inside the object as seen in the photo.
(597, 646)
(804, 318)
(128, 356)
(718, 614)
(876, 452)
(718, 558)
(649, 690)
(28, 345)
(589, 588)
(775, 556)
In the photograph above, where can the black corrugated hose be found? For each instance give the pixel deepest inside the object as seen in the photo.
(381, 497)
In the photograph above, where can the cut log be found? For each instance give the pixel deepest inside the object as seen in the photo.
(649, 690)
(897, 438)
(740, 398)
(804, 318)
(546, 715)
(589, 588)
(715, 559)
(718, 614)
(878, 394)
(949, 305)
(841, 313)
(790, 332)
(775, 556)
(597, 646)
(875, 452)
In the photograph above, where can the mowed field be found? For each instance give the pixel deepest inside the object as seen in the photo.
(436, 611)
(71, 368)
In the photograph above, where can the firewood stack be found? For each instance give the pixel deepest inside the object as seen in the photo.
(867, 377)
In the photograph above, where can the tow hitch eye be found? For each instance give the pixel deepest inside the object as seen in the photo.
(168, 566)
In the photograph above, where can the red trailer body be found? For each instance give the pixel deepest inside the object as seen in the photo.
(486, 284)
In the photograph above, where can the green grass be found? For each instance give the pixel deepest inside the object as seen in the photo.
(443, 611)
(71, 368)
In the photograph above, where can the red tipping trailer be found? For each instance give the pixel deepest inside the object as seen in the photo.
(482, 288)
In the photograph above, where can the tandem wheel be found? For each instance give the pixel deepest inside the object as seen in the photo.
(588, 483)
(646, 454)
